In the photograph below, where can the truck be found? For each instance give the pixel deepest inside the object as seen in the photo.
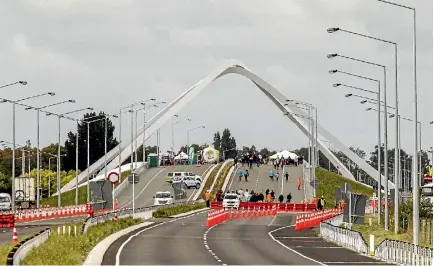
(25, 192)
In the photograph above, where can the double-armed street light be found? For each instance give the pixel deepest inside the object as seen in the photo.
(188, 137)
(59, 117)
(336, 29)
(14, 103)
(22, 82)
(173, 131)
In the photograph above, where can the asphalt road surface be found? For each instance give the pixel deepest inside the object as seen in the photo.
(254, 241)
(153, 180)
(259, 181)
(30, 228)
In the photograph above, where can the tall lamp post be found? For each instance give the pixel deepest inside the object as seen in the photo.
(188, 137)
(173, 132)
(38, 178)
(59, 116)
(386, 173)
(332, 30)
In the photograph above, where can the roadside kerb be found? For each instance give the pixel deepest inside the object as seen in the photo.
(188, 213)
(96, 255)
(21, 250)
(228, 178)
(202, 185)
(218, 173)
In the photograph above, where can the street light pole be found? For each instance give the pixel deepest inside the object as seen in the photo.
(59, 194)
(88, 163)
(76, 166)
(13, 157)
(144, 134)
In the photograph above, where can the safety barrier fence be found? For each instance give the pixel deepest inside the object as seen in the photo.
(46, 213)
(404, 253)
(217, 216)
(281, 207)
(312, 219)
(20, 250)
(354, 240)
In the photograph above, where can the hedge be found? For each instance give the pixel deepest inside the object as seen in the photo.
(178, 209)
(210, 180)
(221, 179)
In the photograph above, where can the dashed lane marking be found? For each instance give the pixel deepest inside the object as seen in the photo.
(206, 244)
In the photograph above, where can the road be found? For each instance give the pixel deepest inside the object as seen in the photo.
(255, 241)
(153, 180)
(259, 181)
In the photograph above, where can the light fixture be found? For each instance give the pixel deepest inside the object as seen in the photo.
(368, 109)
(71, 101)
(23, 82)
(332, 55)
(364, 101)
(392, 115)
(332, 30)
(51, 93)
(348, 95)
(333, 71)
(336, 85)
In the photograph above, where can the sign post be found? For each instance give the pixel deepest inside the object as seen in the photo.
(114, 178)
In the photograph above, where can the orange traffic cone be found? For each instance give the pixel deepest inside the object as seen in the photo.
(116, 204)
(14, 236)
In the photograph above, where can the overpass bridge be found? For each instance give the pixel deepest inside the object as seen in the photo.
(232, 67)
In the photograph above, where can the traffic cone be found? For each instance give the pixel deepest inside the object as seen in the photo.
(116, 204)
(14, 236)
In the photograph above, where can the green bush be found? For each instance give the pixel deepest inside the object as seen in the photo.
(73, 250)
(210, 180)
(178, 209)
(221, 179)
(68, 197)
(329, 181)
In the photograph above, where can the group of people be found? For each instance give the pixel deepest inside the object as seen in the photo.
(240, 174)
(268, 196)
(280, 162)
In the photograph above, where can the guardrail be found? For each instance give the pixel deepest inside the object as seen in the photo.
(404, 253)
(342, 236)
(122, 213)
(21, 250)
(281, 207)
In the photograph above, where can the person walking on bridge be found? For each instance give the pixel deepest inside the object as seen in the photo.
(271, 175)
(286, 177)
(277, 176)
(246, 174)
(289, 198)
(281, 198)
(240, 174)
(299, 183)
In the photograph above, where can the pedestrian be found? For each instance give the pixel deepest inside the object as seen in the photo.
(267, 192)
(272, 195)
(271, 175)
(277, 176)
(261, 196)
(207, 198)
(246, 174)
(299, 183)
(281, 198)
(289, 198)
(286, 177)
(236, 162)
(240, 174)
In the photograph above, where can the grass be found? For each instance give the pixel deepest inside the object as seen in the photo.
(380, 234)
(5, 248)
(68, 197)
(210, 180)
(178, 209)
(329, 181)
(221, 179)
(73, 250)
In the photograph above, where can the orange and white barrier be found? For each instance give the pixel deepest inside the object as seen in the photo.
(221, 215)
(305, 220)
(46, 213)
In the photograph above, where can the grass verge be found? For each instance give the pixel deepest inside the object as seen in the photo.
(178, 209)
(221, 179)
(5, 248)
(68, 197)
(329, 181)
(73, 250)
(210, 180)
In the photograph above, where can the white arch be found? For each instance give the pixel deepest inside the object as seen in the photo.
(234, 66)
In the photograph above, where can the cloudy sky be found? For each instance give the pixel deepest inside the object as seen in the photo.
(109, 53)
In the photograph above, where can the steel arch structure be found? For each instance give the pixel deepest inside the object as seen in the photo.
(232, 67)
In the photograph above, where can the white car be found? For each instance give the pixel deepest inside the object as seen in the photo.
(231, 200)
(5, 202)
(189, 182)
(163, 198)
(172, 175)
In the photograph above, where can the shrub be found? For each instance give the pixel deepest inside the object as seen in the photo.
(210, 180)
(221, 179)
(178, 209)
(72, 250)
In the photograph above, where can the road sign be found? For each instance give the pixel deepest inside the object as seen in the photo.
(136, 178)
(316, 183)
(113, 177)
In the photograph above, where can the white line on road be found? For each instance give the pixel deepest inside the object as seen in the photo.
(297, 237)
(272, 221)
(356, 262)
(206, 244)
(288, 248)
(147, 184)
(192, 194)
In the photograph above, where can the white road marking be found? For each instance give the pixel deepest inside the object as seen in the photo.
(206, 244)
(191, 196)
(118, 254)
(314, 247)
(290, 249)
(147, 184)
(272, 221)
(297, 237)
(233, 177)
(355, 262)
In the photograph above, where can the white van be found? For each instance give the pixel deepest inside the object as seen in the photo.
(231, 200)
(171, 176)
(163, 198)
(5, 202)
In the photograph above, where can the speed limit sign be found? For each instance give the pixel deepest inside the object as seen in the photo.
(113, 177)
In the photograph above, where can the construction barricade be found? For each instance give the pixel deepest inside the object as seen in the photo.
(216, 216)
(281, 207)
(307, 220)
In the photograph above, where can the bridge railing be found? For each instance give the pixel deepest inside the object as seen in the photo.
(404, 253)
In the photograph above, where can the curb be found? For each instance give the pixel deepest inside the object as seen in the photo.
(96, 255)
(188, 213)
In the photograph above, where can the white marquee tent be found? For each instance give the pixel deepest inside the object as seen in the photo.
(285, 154)
(181, 156)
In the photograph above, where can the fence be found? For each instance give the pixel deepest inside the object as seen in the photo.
(21, 250)
(404, 253)
(281, 207)
(344, 237)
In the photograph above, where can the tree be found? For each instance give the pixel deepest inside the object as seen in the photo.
(96, 137)
(217, 141)
(228, 144)
(5, 183)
